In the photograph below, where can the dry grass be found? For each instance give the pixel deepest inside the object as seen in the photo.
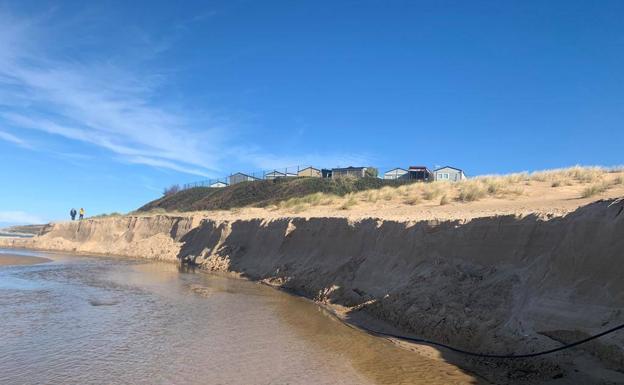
(403, 191)
(297, 209)
(371, 196)
(516, 178)
(431, 192)
(595, 189)
(570, 175)
(493, 187)
(412, 200)
(297, 205)
(349, 202)
(594, 180)
(471, 191)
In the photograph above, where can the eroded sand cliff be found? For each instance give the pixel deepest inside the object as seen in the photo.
(497, 284)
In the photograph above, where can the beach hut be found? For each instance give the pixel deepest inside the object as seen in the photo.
(396, 173)
(240, 177)
(353, 172)
(448, 173)
(420, 173)
(278, 175)
(310, 172)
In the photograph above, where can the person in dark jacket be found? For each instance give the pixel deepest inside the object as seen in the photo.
(72, 214)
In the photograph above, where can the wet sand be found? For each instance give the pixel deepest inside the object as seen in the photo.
(11, 259)
(88, 321)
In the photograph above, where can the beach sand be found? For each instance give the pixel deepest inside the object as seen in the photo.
(11, 259)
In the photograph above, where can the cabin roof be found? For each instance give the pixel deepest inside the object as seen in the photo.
(454, 168)
(394, 169)
(310, 167)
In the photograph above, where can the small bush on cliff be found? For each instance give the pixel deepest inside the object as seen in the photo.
(113, 214)
(171, 190)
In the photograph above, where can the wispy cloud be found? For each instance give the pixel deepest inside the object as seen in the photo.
(116, 106)
(6, 136)
(96, 102)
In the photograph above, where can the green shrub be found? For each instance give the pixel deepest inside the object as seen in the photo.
(371, 172)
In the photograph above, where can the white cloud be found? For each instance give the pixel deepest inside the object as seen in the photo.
(19, 217)
(117, 107)
(13, 139)
(98, 103)
(166, 164)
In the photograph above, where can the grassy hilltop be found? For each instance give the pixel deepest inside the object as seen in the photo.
(262, 193)
(520, 192)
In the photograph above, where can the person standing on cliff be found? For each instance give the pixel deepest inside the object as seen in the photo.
(72, 214)
(81, 213)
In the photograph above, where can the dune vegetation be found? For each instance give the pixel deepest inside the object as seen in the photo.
(376, 197)
(590, 181)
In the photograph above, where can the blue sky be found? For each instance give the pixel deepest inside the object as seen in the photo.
(102, 105)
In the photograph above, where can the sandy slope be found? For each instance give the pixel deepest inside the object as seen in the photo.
(500, 283)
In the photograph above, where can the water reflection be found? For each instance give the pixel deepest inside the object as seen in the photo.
(86, 320)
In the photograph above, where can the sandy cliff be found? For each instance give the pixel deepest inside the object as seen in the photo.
(498, 284)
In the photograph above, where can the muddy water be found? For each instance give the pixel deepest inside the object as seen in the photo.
(80, 320)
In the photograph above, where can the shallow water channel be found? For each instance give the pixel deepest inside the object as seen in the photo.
(94, 320)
